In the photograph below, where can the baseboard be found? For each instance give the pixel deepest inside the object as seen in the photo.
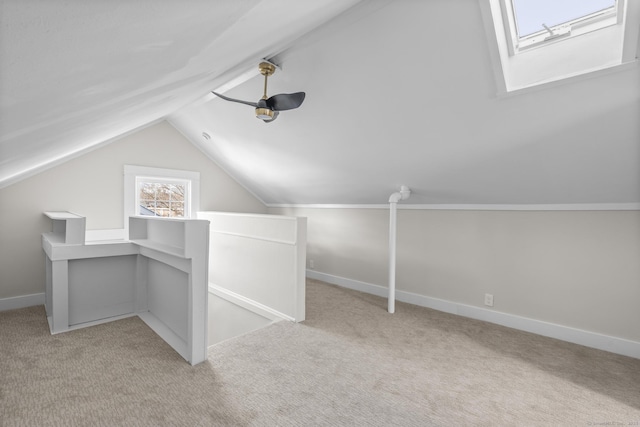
(577, 336)
(21, 301)
(356, 285)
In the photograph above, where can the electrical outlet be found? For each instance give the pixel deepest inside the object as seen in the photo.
(488, 300)
(312, 264)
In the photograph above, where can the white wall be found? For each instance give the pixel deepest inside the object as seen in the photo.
(92, 185)
(579, 269)
(259, 262)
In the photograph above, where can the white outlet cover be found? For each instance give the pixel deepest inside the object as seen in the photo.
(488, 300)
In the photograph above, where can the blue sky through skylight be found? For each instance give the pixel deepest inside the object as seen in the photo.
(531, 14)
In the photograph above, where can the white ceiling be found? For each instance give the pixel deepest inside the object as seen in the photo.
(398, 93)
(74, 74)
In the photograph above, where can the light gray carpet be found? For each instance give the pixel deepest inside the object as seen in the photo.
(350, 364)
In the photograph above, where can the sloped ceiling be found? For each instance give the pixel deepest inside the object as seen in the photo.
(76, 74)
(398, 93)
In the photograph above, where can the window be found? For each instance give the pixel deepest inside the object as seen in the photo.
(160, 197)
(167, 193)
(536, 43)
(534, 23)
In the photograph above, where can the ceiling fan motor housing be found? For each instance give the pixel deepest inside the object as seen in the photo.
(264, 113)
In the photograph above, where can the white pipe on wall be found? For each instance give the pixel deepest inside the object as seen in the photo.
(393, 206)
(403, 194)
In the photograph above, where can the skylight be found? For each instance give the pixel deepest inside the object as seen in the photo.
(536, 42)
(533, 23)
(532, 15)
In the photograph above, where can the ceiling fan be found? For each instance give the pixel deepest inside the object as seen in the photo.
(267, 109)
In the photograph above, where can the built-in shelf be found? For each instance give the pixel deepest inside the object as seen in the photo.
(68, 228)
(160, 247)
(160, 275)
(154, 232)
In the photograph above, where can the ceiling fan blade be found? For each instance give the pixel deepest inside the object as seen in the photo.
(285, 101)
(226, 98)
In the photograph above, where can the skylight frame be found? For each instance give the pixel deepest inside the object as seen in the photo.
(609, 50)
(563, 31)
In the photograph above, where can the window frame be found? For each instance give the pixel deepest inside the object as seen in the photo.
(608, 50)
(134, 174)
(186, 183)
(564, 31)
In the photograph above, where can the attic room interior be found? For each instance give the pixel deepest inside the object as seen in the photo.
(455, 200)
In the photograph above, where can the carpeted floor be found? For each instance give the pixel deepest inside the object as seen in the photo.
(349, 364)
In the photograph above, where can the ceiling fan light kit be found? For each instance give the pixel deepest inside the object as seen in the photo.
(267, 109)
(264, 114)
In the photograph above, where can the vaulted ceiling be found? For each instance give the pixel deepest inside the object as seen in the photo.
(398, 93)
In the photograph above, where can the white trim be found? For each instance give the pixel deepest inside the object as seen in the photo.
(600, 72)
(180, 345)
(601, 60)
(631, 43)
(21, 302)
(327, 206)
(356, 285)
(178, 182)
(132, 172)
(248, 304)
(253, 237)
(147, 171)
(576, 27)
(565, 333)
(478, 207)
(102, 235)
(252, 215)
(88, 324)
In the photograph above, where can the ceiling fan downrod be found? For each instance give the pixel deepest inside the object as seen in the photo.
(262, 111)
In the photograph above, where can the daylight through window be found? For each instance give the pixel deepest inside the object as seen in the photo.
(537, 22)
(164, 193)
(165, 199)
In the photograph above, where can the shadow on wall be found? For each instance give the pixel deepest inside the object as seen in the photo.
(583, 162)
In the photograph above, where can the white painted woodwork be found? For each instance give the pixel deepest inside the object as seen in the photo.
(588, 53)
(259, 261)
(167, 294)
(100, 288)
(176, 280)
(23, 301)
(160, 275)
(228, 319)
(132, 172)
(67, 227)
(393, 224)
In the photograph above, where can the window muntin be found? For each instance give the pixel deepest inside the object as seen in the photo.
(165, 198)
(133, 175)
(534, 23)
